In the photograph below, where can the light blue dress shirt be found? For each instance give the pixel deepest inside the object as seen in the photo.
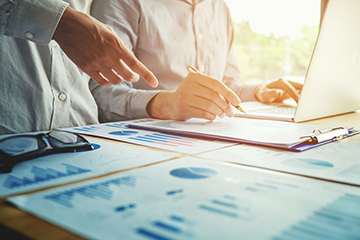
(40, 88)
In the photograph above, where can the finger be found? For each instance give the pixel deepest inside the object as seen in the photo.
(208, 106)
(133, 63)
(285, 86)
(194, 112)
(296, 85)
(98, 77)
(217, 86)
(210, 100)
(268, 95)
(125, 72)
(111, 76)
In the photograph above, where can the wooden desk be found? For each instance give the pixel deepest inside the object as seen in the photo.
(17, 221)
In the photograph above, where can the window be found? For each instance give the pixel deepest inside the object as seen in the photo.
(274, 38)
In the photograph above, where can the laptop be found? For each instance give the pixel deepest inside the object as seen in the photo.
(332, 81)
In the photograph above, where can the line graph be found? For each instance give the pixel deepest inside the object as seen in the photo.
(42, 175)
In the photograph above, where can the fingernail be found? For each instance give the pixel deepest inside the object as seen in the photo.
(135, 78)
(235, 101)
(231, 114)
(154, 83)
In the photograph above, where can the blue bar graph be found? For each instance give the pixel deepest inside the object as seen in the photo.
(266, 186)
(87, 128)
(165, 139)
(230, 197)
(42, 175)
(101, 190)
(177, 218)
(151, 234)
(219, 211)
(225, 204)
(124, 208)
(168, 227)
(174, 192)
(283, 184)
(338, 220)
(116, 125)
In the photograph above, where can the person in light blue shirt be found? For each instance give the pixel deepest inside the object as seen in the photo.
(48, 50)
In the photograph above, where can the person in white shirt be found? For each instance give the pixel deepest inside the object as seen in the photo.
(168, 36)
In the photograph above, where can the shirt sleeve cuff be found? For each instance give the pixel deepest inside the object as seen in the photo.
(246, 92)
(139, 103)
(35, 20)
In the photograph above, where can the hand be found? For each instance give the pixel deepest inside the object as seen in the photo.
(96, 49)
(198, 96)
(278, 91)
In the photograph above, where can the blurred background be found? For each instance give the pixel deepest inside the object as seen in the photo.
(274, 38)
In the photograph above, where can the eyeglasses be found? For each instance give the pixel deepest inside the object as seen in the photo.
(23, 147)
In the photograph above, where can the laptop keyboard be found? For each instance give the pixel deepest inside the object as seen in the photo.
(275, 110)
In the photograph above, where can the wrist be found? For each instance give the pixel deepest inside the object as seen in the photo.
(160, 106)
(63, 24)
(257, 92)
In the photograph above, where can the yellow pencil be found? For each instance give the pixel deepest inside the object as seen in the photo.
(194, 70)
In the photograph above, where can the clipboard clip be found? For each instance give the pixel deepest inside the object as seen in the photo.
(333, 134)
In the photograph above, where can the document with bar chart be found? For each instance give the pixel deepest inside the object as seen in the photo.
(338, 161)
(191, 198)
(66, 167)
(120, 131)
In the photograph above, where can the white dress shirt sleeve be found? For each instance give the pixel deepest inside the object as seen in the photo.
(232, 78)
(34, 20)
(120, 102)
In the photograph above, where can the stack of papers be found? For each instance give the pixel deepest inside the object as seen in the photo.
(120, 132)
(67, 167)
(252, 131)
(191, 198)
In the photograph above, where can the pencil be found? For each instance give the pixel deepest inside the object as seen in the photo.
(194, 70)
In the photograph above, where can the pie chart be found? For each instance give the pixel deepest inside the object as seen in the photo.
(193, 173)
(123, 133)
(308, 163)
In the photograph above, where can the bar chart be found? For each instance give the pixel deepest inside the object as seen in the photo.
(43, 175)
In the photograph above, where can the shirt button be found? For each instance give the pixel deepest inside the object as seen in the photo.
(200, 36)
(29, 35)
(62, 96)
(53, 43)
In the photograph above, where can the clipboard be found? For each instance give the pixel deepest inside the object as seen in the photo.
(276, 134)
(318, 138)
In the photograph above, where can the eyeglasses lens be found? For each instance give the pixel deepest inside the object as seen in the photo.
(19, 145)
(64, 137)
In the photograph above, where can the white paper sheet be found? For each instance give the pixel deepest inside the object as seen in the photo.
(119, 131)
(254, 131)
(192, 198)
(66, 167)
(337, 161)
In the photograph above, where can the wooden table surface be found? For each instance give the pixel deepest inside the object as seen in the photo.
(15, 221)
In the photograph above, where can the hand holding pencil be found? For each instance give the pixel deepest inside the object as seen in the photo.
(198, 96)
(238, 107)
